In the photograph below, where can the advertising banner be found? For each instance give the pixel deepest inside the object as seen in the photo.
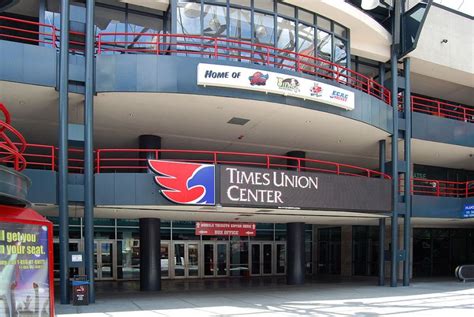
(24, 270)
(257, 187)
(225, 229)
(468, 211)
(277, 83)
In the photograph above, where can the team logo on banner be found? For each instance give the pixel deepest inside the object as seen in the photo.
(185, 183)
(259, 79)
(289, 84)
(316, 90)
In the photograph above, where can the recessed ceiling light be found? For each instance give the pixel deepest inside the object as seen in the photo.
(238, 121)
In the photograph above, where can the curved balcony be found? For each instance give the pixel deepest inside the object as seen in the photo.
(239, 51)
(35, 33)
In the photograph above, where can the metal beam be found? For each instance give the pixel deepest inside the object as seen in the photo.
(382, 160)
(89, 151)
(63, 154)
(407, 218)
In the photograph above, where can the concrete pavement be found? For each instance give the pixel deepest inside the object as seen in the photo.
(439, 298)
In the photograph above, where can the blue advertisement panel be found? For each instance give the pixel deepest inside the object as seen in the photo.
(468, 211)
(24, 270)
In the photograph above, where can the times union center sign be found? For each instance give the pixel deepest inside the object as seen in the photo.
(267, 188)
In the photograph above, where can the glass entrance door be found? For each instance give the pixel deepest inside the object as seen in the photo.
(165, 259)
(215, 258)
(185, 259)
(74, 246)
(280, 262)
(261, 258)
(105, 258)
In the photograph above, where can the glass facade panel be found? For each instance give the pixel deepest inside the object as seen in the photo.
(188, 17)
(215, 21)
(286, 41)
(239, 258)
(340, 52)
(287, 10)
(266, 5)
(264, 32)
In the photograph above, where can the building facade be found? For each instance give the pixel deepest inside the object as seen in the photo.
(245, 138)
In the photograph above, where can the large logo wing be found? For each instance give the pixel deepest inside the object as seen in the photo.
(180, 181)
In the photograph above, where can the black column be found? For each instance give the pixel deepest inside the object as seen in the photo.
(295, 154)
(149, 142)
(295, 270)
(150, 261)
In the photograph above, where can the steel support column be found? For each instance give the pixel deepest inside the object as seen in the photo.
(382, 160)
(407, 218)
(89, 151)
(395, 127)
(63, 154)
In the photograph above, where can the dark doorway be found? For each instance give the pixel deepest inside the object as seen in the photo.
(437, 252)
(365, 252)
(329, 248)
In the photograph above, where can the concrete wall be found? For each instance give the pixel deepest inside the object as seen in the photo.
(452, 61)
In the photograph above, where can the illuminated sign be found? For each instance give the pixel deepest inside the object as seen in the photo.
(24, 270)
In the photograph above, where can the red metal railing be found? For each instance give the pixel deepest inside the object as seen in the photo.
(229, 49)
(221, 48)
(11, 152)
(36, 34)
(134, 160)
(442, 109)
(39, 156)
(432, 187)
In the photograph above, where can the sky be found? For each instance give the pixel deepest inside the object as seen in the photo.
(465, 6)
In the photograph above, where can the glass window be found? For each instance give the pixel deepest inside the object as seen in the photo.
(240, 24)
(264, 5)
(244, 3)
(323, 23)
(264, 28)
(324, 45)
(340, 30)
(285, 9)
(340, 52)
(306, 47)
(239, 258)
(215, 21)
(188, 18)
(306, 16)
(286, 34)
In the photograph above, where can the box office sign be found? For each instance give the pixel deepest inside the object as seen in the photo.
(206, 228)
(277, 83)
(256, 187)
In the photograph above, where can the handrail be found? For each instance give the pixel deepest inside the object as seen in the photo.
(230, 49)
(11, 152)
(442, 109)
(114, 160)
(47, 36)
(440, 188)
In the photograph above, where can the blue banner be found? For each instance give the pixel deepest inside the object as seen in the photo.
(468, 211)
